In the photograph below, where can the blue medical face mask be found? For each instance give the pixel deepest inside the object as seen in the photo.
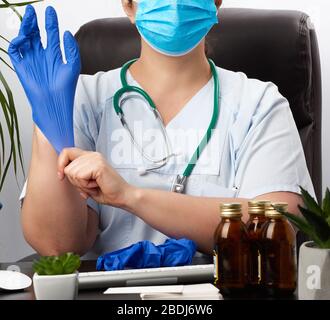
(175, 27)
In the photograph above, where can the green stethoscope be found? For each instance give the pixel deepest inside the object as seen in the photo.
(118, 101)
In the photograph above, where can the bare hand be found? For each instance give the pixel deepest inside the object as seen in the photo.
(90, 173)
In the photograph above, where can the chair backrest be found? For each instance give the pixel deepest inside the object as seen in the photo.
(270, 45)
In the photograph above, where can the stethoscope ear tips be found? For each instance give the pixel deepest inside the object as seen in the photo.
(142, 171)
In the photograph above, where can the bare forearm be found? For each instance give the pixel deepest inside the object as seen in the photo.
(178, 215)
(195, 218)
(55, 218)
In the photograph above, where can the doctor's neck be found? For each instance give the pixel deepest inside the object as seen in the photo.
(169, 73)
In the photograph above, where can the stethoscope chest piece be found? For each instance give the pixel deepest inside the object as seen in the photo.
(179, 184)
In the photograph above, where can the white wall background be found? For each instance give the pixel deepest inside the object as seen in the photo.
(73, 14)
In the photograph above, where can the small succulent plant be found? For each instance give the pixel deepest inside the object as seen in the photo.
(67, 263)
(316, 219)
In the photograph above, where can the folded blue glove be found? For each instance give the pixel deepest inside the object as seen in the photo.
(145, 254)
(49, 83)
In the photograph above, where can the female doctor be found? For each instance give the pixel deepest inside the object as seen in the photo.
(123, 183)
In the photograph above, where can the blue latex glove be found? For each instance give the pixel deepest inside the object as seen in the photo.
(145, 254)
(49, 83)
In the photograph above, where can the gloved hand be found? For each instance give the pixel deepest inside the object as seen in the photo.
(145, 254)
(49, 83)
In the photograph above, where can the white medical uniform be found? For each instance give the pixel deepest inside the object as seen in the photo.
(255, 149)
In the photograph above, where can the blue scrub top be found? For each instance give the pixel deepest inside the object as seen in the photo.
(255, 149)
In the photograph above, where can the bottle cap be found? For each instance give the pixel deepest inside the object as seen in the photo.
(258, 206)
(272, 211)
(231, 210)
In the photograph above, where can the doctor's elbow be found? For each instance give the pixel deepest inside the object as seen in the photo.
(49, 241)
(51, 246)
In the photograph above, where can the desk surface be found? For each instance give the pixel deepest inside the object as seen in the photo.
(28, 294)
(97, 294)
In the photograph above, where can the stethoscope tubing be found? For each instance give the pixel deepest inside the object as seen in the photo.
(118, 101)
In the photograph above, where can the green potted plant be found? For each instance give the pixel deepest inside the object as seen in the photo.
(56, 278)
(10, 152)
(314, 256)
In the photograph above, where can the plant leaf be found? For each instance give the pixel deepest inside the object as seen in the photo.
(3, 38)
(9, 111)
(300, 223)
(17, 4)
(13, 6)
(8, 120)
(8, 5)
(6, 63)
(325, 245)
(326, 203)
(3, 50)
(303, 226)
(322, 229)
(310, 203)
(3, 147)
(15, 141)
(328, 220)
(64, 264)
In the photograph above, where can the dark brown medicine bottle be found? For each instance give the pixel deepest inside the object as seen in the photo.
(231, 251)
(254, 225)
(278, 257)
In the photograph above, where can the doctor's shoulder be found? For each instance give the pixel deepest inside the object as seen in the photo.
(95, 90)
(248, 98)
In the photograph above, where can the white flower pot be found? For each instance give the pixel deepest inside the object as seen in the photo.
(61, 287)
(314, 273)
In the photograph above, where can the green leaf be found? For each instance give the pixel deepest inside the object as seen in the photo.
(15, 155)
(3, 147)
(300, 223)
(13, 6)
(3, 38)
(3, 50)
(328, 220)
(326, 204)
(67, 263)
(8, 121)
(11, 105)
(17, 4)
(303, 226)
(6, 63)
(8, 108)
(8, 5)
(322, 229)
(310, 203)
(325, 245)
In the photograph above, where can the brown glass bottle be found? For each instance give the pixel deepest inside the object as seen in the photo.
(254, 226)
(231, 251)
(278, 257)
